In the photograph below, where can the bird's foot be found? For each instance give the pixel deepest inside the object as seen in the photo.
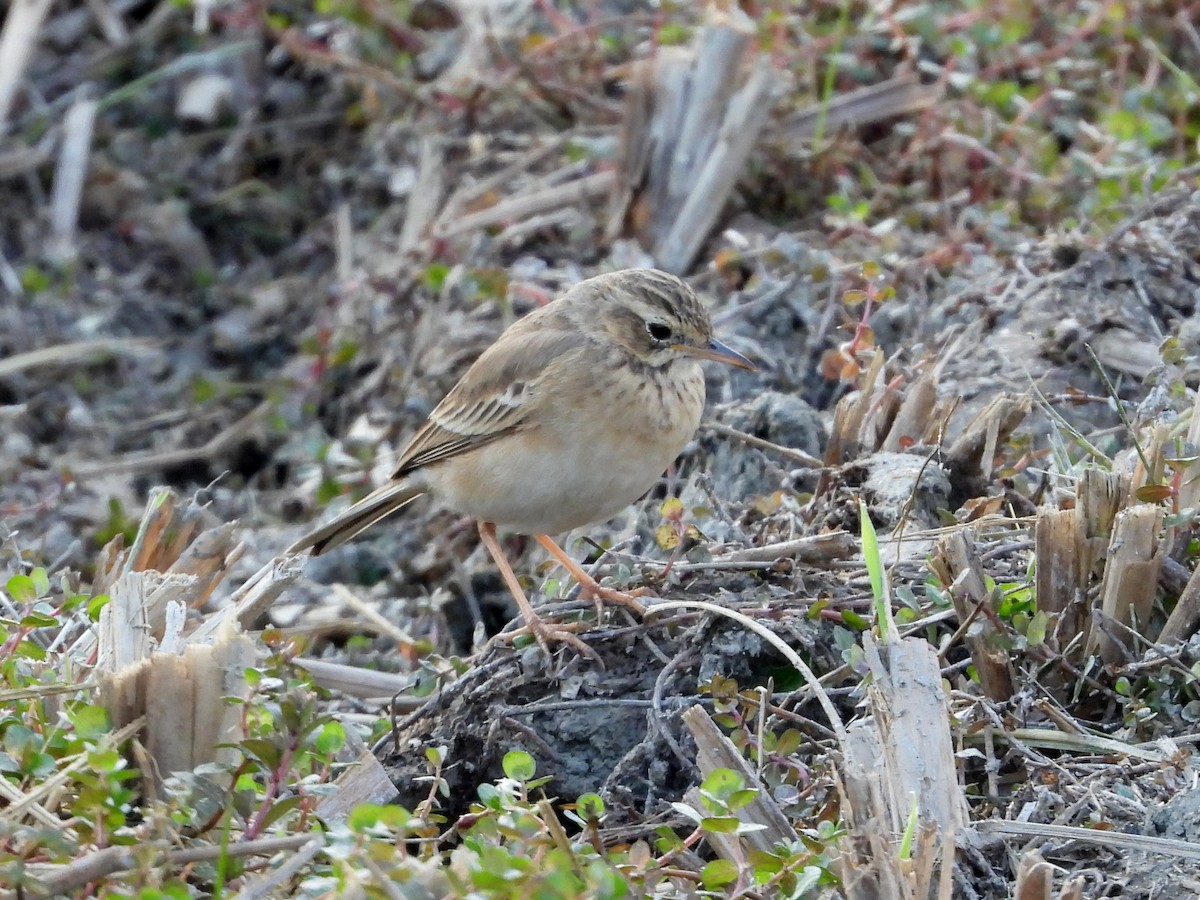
(601, 594)
(590, 586)
(546, 633)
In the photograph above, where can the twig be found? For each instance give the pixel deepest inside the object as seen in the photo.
(899, 96)
(17, 42)
(814, 548)
(69, 177)
(359, 682)
(20, 161)
(102, 863)
(814, 683)
(588, 187)
(262, 887)
(148, 462)
(110, 22)
(799, 456)
(100, 350)
(426, 194)
(1121, 840)
(376, 622)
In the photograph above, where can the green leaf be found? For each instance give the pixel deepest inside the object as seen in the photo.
(721, 782)
(855, 621)
(109, 760)
(41, 583)
(96, 604)
(22, 589)
(688, 812)
(332, 738)
(667, 840)
(742, 798)
(90, 721)
(363, 816)
(38, 620)
(435, 276)
(789, 742)
(590, 806)
(263, 751)
(1036, 632)
(718, 873)
(870, 543)
(281, 809)
(519, 765)
(720, 824)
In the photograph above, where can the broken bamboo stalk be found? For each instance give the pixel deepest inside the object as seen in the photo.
(691, 119)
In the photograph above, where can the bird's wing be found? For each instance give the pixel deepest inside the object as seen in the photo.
(494, 397)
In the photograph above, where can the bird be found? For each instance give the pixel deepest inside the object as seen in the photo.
(569, 417)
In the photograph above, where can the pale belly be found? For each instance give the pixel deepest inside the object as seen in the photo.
(574, 473)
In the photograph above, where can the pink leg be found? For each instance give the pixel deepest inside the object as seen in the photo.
(590, 586)
(533, 622)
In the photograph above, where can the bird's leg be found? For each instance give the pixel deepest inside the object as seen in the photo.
(589, 585)
(533, 622)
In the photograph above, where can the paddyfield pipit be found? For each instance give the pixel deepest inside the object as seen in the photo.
(570, 416)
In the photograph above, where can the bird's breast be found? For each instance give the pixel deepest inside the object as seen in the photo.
(589, 454)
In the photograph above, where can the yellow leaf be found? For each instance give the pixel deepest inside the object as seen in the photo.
(854, 298)
(667, 537)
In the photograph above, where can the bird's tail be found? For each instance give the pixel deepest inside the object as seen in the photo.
(366, 512)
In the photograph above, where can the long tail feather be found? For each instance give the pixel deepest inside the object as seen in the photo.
(377, 505)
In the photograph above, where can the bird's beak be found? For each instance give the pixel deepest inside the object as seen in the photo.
(718, 352)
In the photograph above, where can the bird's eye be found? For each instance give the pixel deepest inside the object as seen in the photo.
(658, 331)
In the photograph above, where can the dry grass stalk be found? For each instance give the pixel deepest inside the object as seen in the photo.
(715, 751)
(17, 42)
(1130, 581)
(61, 880)
(184, 701)
(154, 460)
(814, 549)
(898, 759)
(1035, 878)
(172, 557)
(69, 177)
(958, 565)
(1181, 623)
(180, 696)
(579, 190)
(359, 682)
(790, 453)
(1059, 592)
(110, 22)
(911, 420)
(1189, 482)
(691, 120)
(145, 670)
(1125, 841)
(972, 453)
(425, 198)
(868, 869)
(847, 438)
(1098, 497)
(252, 598)
(73, 354)
(899, 96)
(364, 782)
